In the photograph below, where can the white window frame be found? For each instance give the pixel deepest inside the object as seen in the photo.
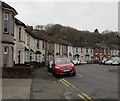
(6, 18)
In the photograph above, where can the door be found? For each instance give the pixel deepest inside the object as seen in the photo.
(5, 56)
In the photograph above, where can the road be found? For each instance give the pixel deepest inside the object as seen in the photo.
(92, 81)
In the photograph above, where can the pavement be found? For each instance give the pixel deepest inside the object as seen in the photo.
(0, 89)
(16, 88)
(21, 88)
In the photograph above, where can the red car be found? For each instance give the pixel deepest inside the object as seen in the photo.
(62, 66)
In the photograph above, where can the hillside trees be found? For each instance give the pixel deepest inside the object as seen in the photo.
(76, 36)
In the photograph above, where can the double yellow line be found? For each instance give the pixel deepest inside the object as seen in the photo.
(83, 96)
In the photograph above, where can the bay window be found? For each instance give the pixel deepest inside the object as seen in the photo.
(6, 21)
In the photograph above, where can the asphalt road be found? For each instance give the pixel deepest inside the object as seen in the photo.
(92, 81)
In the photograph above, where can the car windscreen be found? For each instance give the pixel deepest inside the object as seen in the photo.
(62, 61)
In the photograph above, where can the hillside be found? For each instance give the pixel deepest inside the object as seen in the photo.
(75, 36)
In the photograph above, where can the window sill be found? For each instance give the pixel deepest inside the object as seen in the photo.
(6, 33)
(20, 41)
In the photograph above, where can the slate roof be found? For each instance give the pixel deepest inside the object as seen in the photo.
(39, 35)
(8, 6)
(43, 36)
(36, 36)
(115, 46)
(96, 45)
(18, 22)
(85, 44)
(100, 45)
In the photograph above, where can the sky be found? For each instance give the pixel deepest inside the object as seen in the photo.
(79, 14)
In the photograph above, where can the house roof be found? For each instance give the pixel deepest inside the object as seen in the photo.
(18, 22)
(40, 35)
(101, 45)
(65, 42)
(32, 34)
(85, 44)
(43, 36)
(4, 5)
(115, 46)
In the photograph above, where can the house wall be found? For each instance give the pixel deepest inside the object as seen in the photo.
(7, 40)
(32, 47)
(119, 17)
(60, 49)
(1, 55)
(70, 52)
(114, 52)
(42, 50)
(86, 54)
(19, 49)
(26, 44)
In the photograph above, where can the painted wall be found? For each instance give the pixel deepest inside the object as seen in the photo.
(19, 45)
(1, 56)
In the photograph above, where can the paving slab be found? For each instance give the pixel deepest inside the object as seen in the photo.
(16, 88)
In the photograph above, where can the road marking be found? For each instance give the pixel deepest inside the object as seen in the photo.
(87, 96)
(69, 83)
(64, 83)
(83, 96)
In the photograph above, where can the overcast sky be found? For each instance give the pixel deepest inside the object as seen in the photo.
(80, 15)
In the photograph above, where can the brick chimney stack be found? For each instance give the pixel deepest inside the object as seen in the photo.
(30, 28)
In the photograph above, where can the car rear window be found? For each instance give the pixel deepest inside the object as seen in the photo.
(62, 61)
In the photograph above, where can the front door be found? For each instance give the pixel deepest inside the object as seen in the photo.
(5, 56)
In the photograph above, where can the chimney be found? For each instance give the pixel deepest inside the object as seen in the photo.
(30, 28)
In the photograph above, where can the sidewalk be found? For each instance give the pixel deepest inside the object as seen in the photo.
(16, 88)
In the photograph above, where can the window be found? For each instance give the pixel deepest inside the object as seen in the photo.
(19, 56)
(91, 51)
(81, 50)
(86, 50)
(28, 39)
(38, 44)
(12, 53)
(30, 56)
(19, 52)
(76, 49)
(12, 24)
(20, 34)
(6, 18)
(43, 45)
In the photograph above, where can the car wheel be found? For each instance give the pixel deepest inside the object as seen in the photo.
(74, 74)
(53, 73)
(57, 75)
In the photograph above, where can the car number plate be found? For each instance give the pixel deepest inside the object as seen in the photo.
(67, 70)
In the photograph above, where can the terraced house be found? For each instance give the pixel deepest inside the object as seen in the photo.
(19, 38)
(7, 14)
(21, 44)
(29, 46)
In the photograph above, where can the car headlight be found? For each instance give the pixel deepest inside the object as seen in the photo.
(57, 67)
(72, 64)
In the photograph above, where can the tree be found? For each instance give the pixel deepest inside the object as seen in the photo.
(96, 31)
(39, 27)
